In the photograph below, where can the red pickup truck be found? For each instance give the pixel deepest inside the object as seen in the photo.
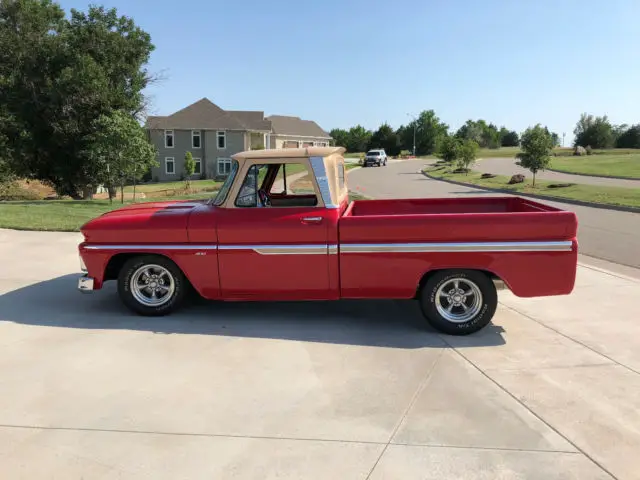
(282, 228)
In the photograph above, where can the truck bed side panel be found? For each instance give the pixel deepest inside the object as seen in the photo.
(386, 256)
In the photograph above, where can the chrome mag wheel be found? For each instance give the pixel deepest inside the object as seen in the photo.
(458, 300)
(152, 285)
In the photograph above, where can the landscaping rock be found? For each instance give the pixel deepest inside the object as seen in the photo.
(579, 151)
(488, 175)
(519, 178)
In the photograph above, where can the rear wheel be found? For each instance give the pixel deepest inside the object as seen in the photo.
(151, 285)
(459, 302)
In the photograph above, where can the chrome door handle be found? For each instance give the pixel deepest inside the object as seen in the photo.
(311, 219)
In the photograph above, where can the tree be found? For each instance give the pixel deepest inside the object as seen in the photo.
(189, 169)
(118, 146)
(358, 139)
(485, 135)
(59, 75)
(467, 154)
(536, 145)
(509, 138)
(449, 149)
(629, 138)
(596, 132)
(385, 137)
(429, 131)
(340, 137)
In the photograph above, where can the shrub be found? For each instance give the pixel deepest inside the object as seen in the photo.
(11, 191)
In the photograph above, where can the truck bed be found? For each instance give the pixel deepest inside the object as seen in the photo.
(430, 206)
(455, 220)
(529, 245)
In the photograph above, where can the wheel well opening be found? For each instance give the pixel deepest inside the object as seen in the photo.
(425, 278)
(116, 263)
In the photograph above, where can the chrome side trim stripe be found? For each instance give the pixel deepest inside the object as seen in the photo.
(332, 249)
(280, 249)
(457, 247)
(150, 247)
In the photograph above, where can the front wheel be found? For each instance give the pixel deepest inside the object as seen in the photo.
(459, 302)
(151, 285)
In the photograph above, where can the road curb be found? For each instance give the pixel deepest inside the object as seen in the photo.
(615, 177)
(551, 198)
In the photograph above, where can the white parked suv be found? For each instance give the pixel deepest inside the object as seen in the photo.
(375, 157)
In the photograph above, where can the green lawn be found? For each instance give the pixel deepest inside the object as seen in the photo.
(196, 186)
(629, 197)
(64, 215)
(619, 165)
(70, 215)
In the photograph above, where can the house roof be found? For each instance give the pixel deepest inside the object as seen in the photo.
(295, 126)
(254, 120)
(205, 114)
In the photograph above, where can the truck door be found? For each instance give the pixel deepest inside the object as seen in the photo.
(273, 243)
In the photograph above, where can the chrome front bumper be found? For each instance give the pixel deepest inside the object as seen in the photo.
(85, 284)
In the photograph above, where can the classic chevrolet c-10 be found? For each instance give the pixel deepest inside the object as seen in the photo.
(282, 228)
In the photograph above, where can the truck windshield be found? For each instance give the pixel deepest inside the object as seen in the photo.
(226, 186)
(373, 153)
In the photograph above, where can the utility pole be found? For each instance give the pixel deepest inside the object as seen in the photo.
(563, 134)
(415, 126)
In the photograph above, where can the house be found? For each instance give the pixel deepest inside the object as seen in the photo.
(213, 135)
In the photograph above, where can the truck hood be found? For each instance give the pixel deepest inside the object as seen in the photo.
(146, 222)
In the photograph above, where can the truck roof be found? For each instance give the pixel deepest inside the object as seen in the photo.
(326, 164)
(274, 153)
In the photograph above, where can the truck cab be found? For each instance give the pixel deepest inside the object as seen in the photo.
(282, 227)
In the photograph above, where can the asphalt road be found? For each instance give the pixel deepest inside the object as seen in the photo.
(604, 234)
(507, 166)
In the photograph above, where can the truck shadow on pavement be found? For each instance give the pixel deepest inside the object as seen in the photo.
(383, 323)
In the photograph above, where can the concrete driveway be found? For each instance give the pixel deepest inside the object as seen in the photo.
(603, 234)
(348, 390)
(507, 166)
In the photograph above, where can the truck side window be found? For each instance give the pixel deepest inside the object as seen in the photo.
(248, 194)
(277, 185)
(293, 186)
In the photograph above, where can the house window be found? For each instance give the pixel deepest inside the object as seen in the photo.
(195, 138)
(198, 169)
(224, 166)
(169, 166)
(290, 144)
(307, 144)
(222, 139)
(168, 139)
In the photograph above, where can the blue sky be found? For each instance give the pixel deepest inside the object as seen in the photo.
(511, 62)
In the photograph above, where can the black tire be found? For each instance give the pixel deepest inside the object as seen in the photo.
(484, 304)
(175, 298)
